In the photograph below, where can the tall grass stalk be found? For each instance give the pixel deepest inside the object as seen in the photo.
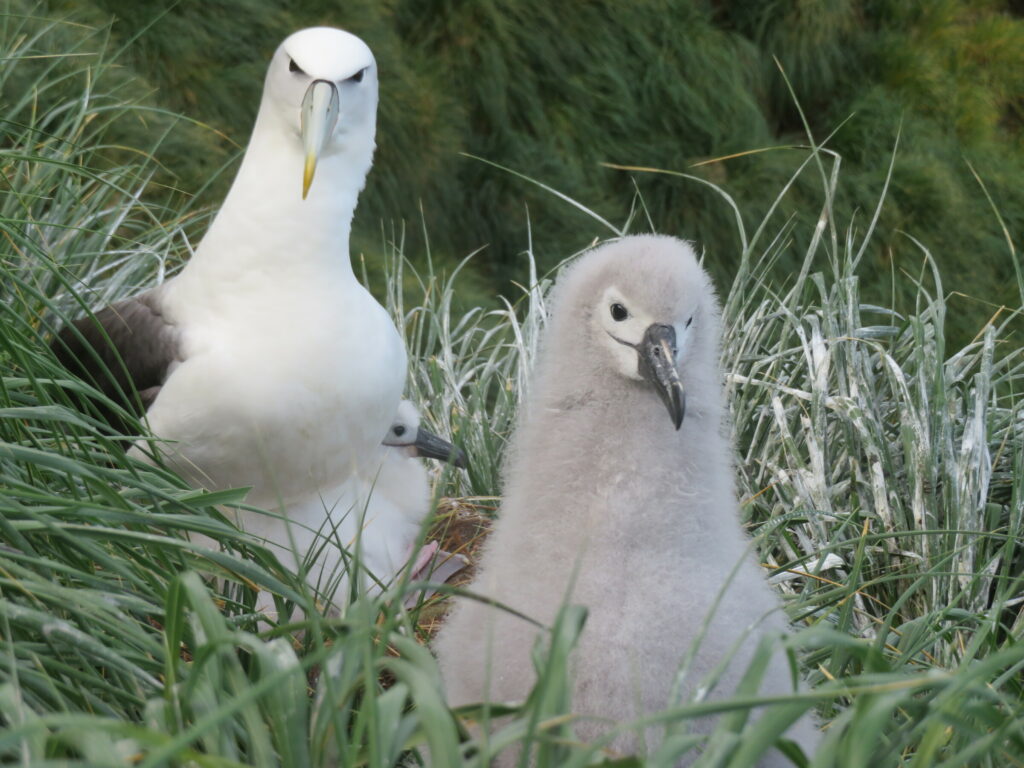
(880, 472)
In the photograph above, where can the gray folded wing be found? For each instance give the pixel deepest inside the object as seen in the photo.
(125, 350)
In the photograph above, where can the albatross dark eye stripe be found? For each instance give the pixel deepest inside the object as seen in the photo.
(358, 76)
(293, 67)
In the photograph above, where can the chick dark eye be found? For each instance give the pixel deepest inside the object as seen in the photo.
(399, 430)
(619, 312)
(689, 321)
(293, 67)
(358, 76)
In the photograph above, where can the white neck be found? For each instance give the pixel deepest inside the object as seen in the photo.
(265, 226)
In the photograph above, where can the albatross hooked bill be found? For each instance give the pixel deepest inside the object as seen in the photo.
(430, 446)
(657, 365)
(318, 117)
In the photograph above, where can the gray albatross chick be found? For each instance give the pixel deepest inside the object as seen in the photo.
(619, 495)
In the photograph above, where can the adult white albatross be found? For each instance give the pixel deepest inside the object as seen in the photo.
(265, 363)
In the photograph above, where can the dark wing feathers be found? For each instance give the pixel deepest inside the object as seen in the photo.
(124, 350)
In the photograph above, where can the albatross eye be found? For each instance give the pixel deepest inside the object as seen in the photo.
(293, 67)
(689, 321)
(619, 312)
(358, 76)
(399, 430)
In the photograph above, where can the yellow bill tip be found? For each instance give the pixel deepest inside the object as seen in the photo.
(307, 174)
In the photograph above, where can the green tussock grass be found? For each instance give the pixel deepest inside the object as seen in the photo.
(862, 433)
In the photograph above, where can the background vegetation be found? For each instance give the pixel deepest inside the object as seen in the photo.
(554, 90)
(881, 462)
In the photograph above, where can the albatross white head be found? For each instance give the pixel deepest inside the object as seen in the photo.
(308, 157)
(322, 82)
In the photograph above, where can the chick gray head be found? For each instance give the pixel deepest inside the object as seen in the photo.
(406, 434)
(638, 314)
(322, 83)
